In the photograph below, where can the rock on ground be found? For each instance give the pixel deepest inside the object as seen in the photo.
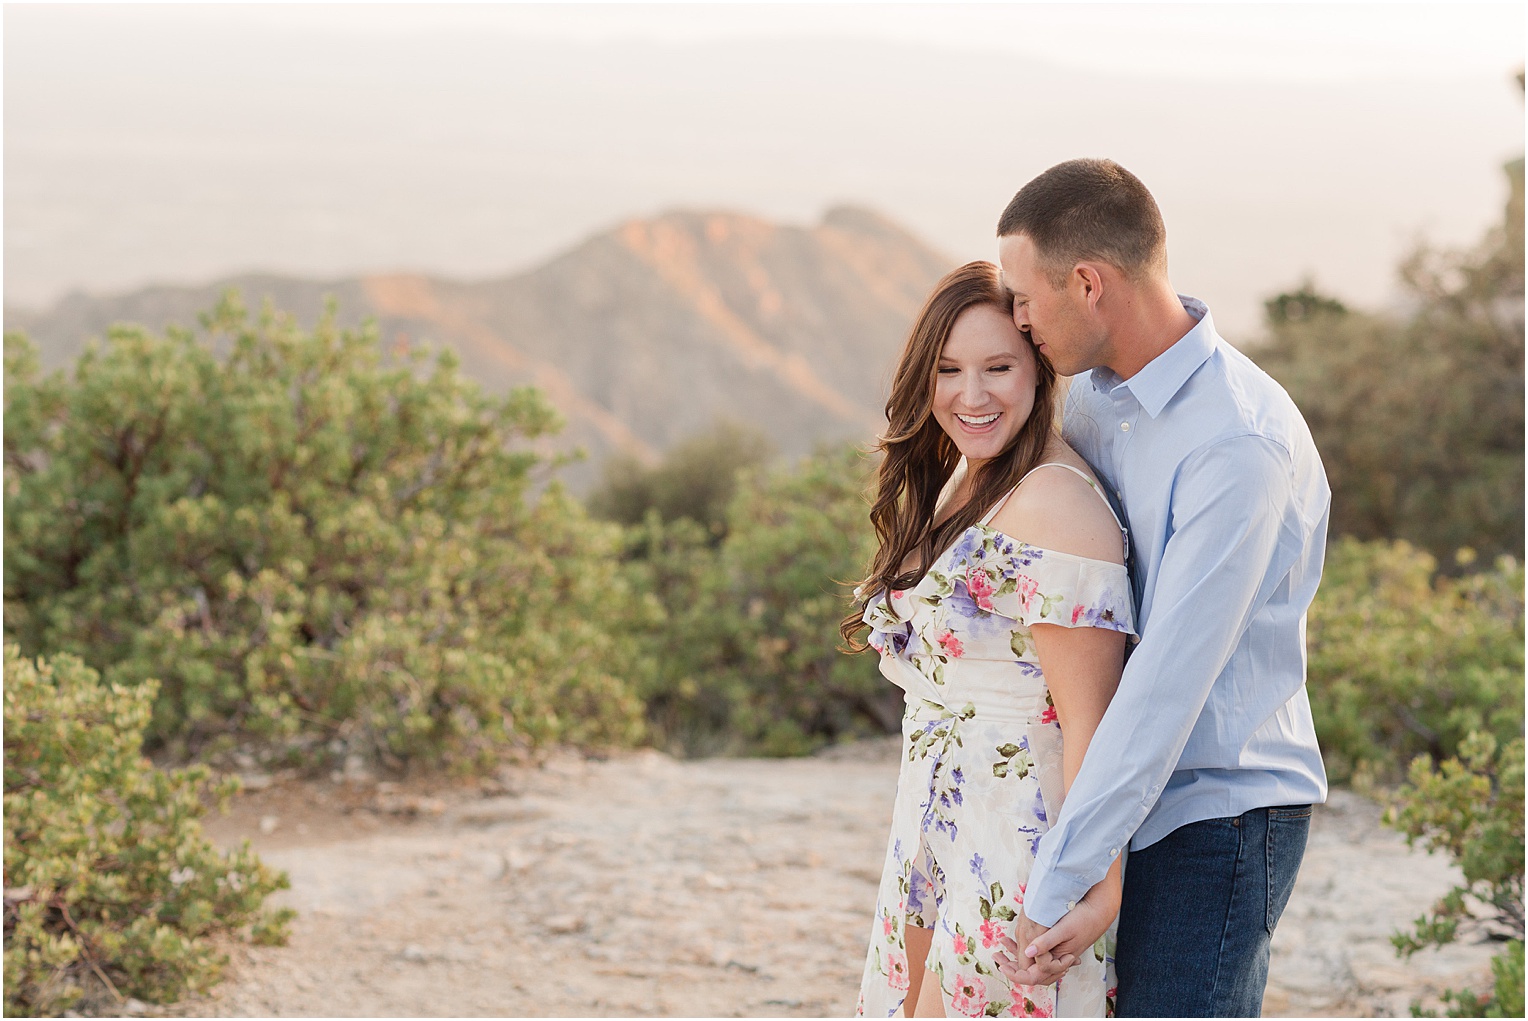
(641, 885)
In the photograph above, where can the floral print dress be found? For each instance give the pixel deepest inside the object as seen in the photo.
(981, 773)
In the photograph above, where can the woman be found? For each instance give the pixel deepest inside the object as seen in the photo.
(998, 599)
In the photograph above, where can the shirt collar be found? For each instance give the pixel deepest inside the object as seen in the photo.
(1162, 377)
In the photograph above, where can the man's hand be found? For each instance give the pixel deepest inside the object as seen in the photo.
(1030, 961)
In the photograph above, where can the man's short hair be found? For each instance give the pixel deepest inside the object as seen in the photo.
(1088, 209)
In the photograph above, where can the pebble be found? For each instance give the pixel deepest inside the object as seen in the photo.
(563, 924)
(268, 824)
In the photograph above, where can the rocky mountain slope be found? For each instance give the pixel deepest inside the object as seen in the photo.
(640, 336)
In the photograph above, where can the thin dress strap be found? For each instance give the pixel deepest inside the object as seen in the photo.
(1080, 474)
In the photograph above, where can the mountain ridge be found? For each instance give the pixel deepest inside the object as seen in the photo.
(640, 335)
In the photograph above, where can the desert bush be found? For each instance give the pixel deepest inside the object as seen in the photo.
(1403, 661)
(1471, 808)
(312, 547)
(695, 480)
(111, 891)
(746, 658)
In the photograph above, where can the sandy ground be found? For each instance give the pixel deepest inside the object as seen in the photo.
(643, 886)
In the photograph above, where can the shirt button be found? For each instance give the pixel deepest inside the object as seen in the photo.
(1118, 495)
(1113, 852)
(1070, 905)
(1124, 427)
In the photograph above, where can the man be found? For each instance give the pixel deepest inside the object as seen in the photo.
(1206, 761)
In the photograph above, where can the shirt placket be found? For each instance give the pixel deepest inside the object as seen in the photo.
(1127, 410)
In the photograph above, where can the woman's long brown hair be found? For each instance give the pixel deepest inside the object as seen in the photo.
(919, 457)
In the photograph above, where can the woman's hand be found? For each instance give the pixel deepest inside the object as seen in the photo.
(1052, 952)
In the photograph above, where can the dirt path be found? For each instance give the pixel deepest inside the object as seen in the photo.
(642, 885)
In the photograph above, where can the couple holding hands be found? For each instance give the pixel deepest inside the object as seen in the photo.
(1109, 760)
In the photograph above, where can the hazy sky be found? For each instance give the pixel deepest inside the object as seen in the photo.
(181, 143)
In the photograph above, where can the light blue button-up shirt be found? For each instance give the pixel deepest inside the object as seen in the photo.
(1226, 501)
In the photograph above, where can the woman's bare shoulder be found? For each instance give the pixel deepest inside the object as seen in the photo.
(1058, 510)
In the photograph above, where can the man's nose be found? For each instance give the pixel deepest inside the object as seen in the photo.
(1021, 317)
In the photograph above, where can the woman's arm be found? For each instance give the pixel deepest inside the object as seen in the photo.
(1082, 667)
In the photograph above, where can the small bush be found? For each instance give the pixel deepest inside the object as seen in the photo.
(1405, 663)
(316, 548)
(696, 480)
(746, 658)
(1472, 808)
(111, 890)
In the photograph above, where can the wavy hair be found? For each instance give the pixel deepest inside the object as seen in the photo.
(919, 457)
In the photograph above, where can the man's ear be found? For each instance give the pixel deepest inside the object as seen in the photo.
(1088, 278)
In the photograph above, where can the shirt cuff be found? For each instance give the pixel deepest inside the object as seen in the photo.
(1057, 894)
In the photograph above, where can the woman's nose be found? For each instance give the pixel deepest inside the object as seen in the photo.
(975, 391)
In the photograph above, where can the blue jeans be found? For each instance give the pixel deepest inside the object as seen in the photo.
(1198, 914)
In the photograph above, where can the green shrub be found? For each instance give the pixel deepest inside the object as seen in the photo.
(1472, 808)
(315, 550)
(745, 658)
(111, 890)
(695, 480)
(1403, 662)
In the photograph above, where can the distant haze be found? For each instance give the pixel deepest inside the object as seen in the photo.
(181, 144)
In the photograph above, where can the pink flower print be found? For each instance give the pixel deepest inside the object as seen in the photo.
(896, 970)
(980, 587)
(962, 945)
(886, 925)
(1076, 613)
(1023, 1006)
(1049, 715)
(952, 645)
(969, 996)
(1025, 588)
(990, 933)
(1018, 898)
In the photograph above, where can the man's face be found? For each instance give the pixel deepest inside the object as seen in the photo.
(1057, 319)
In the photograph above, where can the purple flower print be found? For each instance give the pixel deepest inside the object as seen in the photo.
(1036, 834)
(961, 604)
(917, 883)
(1096, 616)
(968, 544)
(1019, 558)
(979, 870)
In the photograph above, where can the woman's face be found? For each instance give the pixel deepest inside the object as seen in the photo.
(985, 388)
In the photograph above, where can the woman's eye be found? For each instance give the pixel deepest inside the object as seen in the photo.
(1000, 368)
(948, 370)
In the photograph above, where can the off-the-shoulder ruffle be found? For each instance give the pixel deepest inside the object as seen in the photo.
(989, 572)
(1034, 585)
